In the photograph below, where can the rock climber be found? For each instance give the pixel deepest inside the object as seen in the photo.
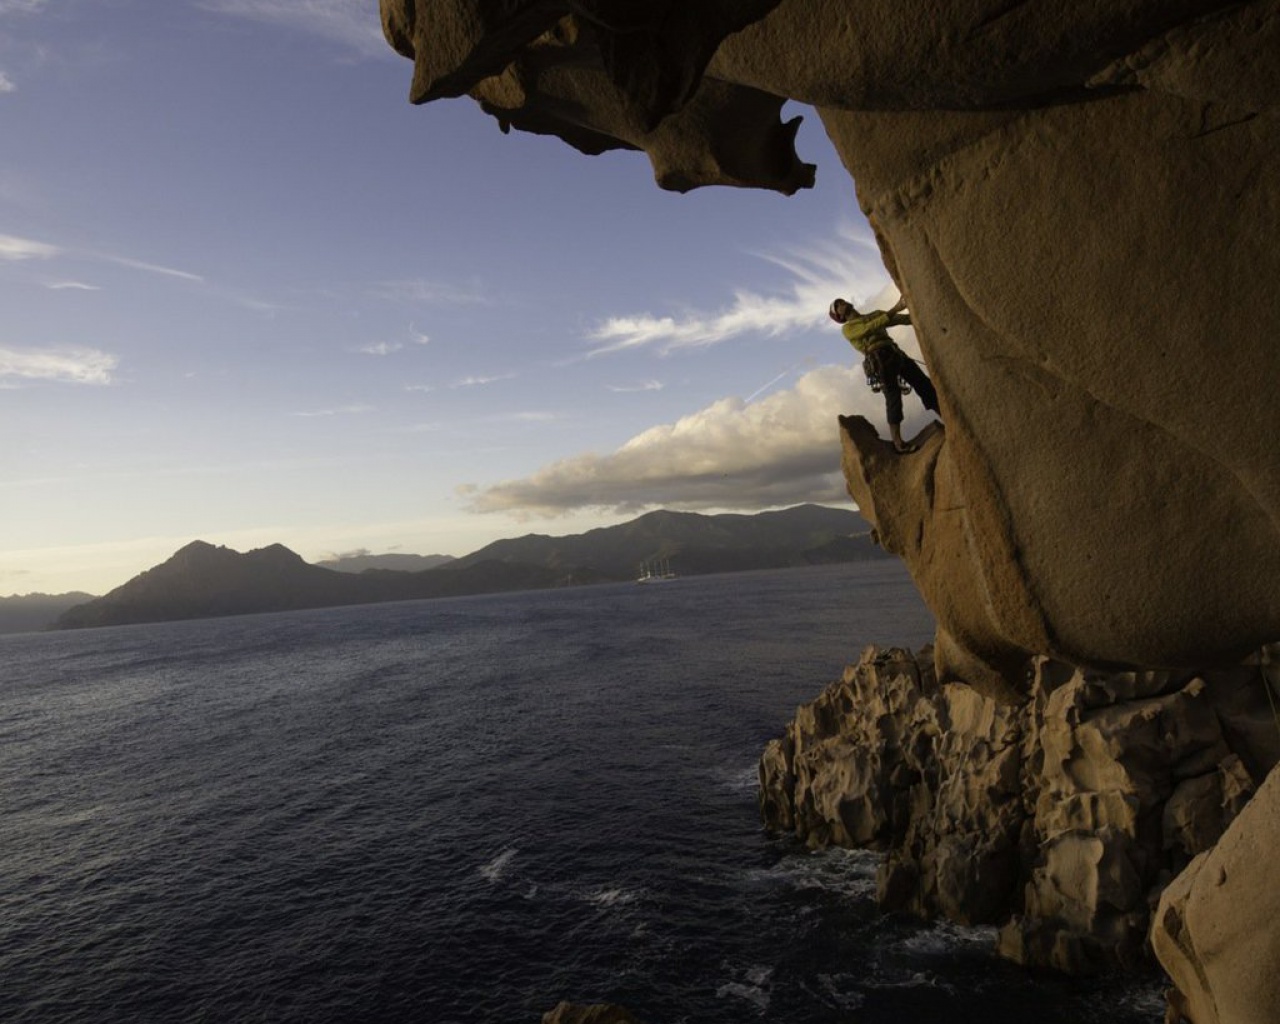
(888, 368)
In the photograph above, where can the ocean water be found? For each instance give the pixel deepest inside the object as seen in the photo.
(464, 811)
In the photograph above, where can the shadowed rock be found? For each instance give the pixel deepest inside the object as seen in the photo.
(595, 1013)
(1081, 204)
(1058, 817)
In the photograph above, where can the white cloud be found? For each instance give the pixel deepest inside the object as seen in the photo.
(380, 348)
(6, 84)
(153, 268)
(61, 286)
(630, 389)
(21, 6)
(476, 382)
(778, 451)
(342, 410)
(529, 417)
(64, 365)
(848, 264)
(354, 23)
(14, 248)
(430, 293)
(386, 348)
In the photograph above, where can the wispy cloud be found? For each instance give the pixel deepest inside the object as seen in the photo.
(780, 450)
(62, 365)
(528, 417)
(62, 286)
(629, 389)
(380, 348)
(421, 292)
(847, 264)
(21, 6)
(476, 382)
(152, 268)
(6, 84)
(353, 23)
(386, 348)
(14, 248)
(341, 410)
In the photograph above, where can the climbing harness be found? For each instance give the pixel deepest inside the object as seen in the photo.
(873, 366)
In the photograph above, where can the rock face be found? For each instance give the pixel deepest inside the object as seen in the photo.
(1213, 934)
(595, 1013)
(1060, 818)
(1081, 204)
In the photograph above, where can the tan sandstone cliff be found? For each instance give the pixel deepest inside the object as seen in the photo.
(1081, 204)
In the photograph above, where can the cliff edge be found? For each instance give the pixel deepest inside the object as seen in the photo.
(1081, 205)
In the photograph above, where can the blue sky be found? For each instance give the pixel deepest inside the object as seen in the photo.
(249, 294)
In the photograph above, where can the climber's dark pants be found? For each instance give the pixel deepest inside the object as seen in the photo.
(890, 365)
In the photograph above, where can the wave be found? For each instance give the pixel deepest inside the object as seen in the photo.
(608, 897)
(496, 868)
(753, 987)
(838, 991)
(740, 780)
(946, 939)
(907, 979)
(849, 873)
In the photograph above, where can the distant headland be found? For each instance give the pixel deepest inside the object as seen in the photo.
(202, 580)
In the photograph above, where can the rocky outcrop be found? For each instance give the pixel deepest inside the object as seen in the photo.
(595, 1013)
(1214, 935)
(1059, 818)
(1081, 205)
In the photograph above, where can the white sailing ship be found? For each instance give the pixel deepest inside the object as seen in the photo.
(655, 570)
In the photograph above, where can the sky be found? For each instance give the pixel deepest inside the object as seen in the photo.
(249, 294)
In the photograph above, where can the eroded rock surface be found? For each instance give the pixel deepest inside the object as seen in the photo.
(1081, 204)
(592, 1013)
(1214, 935)
(1060, 818)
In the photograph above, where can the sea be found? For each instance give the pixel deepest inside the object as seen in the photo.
(465, 810)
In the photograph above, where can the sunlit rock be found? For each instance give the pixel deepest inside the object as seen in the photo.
(1081, 205)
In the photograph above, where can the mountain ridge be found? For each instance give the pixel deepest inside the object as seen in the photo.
(202, 580)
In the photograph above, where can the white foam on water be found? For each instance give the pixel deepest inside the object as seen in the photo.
(916, 979)
(740, 780)
(496, 868)
(753, 987)
(609, 896)
(1147, 999)
(850, 873)
(946, 938)
(839, 990)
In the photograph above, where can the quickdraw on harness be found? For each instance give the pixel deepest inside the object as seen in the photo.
(873, 366)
